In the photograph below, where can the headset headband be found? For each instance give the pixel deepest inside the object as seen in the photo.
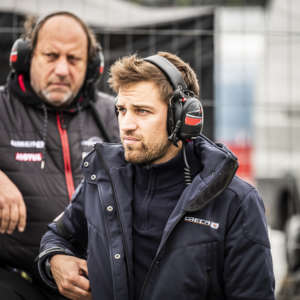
(171, 72)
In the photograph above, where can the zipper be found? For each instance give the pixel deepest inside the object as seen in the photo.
(157, 259)
(66, 156)
(120, 223)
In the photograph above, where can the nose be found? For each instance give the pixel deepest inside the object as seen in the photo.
(127, 122)
(62, 67)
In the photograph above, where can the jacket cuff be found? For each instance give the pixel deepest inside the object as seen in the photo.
(44, 270)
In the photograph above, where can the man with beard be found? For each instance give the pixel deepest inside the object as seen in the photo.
(50, 113)
(161, 216)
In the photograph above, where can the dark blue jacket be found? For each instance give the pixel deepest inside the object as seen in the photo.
(215, 243)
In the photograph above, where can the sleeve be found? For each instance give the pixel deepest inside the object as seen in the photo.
(67, 234)
(248, 268)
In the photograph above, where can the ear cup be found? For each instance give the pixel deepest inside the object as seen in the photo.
(20, 56)
(95, 67)
(192, 118)
(187, 109)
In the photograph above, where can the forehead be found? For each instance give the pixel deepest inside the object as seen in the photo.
(62, 32)
(140, 93)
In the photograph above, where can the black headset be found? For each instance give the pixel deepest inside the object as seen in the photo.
(21, 53)
(185, 113)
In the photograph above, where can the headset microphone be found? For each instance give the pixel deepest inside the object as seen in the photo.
(185, 113)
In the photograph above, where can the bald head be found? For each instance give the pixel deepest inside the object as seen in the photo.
(59, 60)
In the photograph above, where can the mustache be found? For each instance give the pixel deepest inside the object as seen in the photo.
(58, 80)
(131, 136)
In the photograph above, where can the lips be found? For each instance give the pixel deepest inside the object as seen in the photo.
(59, 84)
(129, 139)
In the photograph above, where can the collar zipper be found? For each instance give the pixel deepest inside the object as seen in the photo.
(66, 156)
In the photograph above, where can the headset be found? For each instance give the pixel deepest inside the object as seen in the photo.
(21, 52)
(185, 113)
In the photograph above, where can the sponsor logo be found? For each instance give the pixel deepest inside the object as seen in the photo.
(194, 220)
(28, 157)
(91, 141)
(27, 144)
(192, 120)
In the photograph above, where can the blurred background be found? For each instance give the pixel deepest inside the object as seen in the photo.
(246, 54)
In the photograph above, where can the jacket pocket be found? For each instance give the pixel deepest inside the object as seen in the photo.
(185, 273)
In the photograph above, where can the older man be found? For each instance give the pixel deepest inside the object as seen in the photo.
(50, 116)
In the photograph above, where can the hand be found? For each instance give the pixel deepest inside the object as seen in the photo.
(70, 274)
(12, 206)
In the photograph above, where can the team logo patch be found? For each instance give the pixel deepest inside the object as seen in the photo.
(27, 144)
(204, 222)
(28, 157)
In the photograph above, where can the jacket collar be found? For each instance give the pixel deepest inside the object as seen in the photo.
(19, 86)
(218, 167)
(214, 165)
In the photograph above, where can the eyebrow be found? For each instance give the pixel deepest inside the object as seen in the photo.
(142, 105)
(135, 105)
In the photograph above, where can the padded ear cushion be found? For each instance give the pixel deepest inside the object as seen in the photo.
(20, 56)
(174, 112)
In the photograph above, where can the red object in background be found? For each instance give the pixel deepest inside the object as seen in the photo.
(244, 155)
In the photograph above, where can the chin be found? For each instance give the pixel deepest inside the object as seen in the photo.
(134, 159)
(59, 100)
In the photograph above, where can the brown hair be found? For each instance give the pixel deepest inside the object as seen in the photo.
(132, 69)
(33, 26)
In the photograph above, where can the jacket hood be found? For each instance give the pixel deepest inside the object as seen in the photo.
(218, 167)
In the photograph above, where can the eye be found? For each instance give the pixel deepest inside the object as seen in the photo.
(120, 109)
(72, 59)
(142, 111)
(51, 56)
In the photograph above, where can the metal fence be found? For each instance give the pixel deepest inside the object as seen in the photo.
(247, 60)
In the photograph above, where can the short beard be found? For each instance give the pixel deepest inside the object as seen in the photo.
(67, 99)
(146, 155)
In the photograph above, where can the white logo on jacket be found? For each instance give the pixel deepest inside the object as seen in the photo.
(194, 220)
(27, 144)
(29, 157)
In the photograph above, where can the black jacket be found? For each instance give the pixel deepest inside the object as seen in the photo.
(31, 132)
(215, 243)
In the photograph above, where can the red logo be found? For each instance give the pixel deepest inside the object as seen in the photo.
(192, 120)
(13, 57)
